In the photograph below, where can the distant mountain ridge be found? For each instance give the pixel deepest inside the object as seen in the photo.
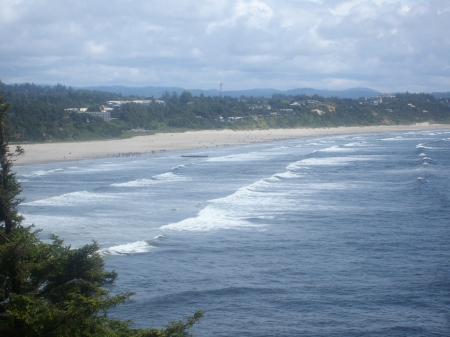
(267, 93)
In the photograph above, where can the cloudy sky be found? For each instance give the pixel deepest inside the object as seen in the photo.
(388, 45)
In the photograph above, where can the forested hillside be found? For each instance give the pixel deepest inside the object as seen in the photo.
(40, 113)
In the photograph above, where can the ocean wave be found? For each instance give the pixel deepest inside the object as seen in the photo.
(395, 138)
(286, 175)
(71, 199)
(272, 179)
(82, 169)
(40, 173)
(157, 179)
(138, 247)
(314, 144)
(209, 218)
(242, 157)
(277, 177)
(235, 210)
(261, 185)
(335, 148)
(261, 197)
(310, 188)
(94, 168)
(328, 161)
(423, 146)
(356, 144)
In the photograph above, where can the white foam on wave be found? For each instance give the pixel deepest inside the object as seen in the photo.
(423, 146)
(209, 218)
(82, 169)
(356, 144)
(72, 199)
(94, 168)
(395, 138)
(328, 161)
(277, 177)
(272, 179)
(286, 175)
(317, 143)
(232, 211)
(40, 173)
(422, 154)
(160, 178)
(136, 183)
(138, 247)
(243, 157)
(335, 149)
(168, 176)
(261, 185)
(256, 194)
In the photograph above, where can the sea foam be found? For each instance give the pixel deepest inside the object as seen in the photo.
(335, 149)
(209, 218)
(423, 146)
(127, 249)
(72, 199)
(40, 173)
(328, 161)
(243, 157)
(165, 177)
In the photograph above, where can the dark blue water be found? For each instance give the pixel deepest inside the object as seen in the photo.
(330, 236)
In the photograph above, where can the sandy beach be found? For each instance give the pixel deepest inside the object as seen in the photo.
(194, 140)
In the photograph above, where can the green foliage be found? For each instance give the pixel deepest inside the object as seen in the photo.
(9, 187)
(38, 112)
(50, 289)
(53, 290)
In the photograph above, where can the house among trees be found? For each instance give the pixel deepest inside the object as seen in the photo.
(106, 115)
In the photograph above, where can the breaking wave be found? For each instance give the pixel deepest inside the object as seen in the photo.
(72, 199)
(165, 177)
(138, 247)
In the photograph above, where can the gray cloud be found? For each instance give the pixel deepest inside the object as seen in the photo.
(387, 45)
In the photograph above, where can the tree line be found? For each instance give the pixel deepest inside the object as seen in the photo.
(37, 112)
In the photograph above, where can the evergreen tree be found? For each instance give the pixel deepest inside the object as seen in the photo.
(9, 187)
(50, 289)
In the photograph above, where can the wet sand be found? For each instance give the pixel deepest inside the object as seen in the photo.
(193, 140)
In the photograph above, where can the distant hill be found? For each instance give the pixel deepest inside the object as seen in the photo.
(267, 93)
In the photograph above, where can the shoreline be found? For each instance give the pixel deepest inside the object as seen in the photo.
(45, 153)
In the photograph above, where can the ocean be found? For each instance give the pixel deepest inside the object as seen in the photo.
(321, 236)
